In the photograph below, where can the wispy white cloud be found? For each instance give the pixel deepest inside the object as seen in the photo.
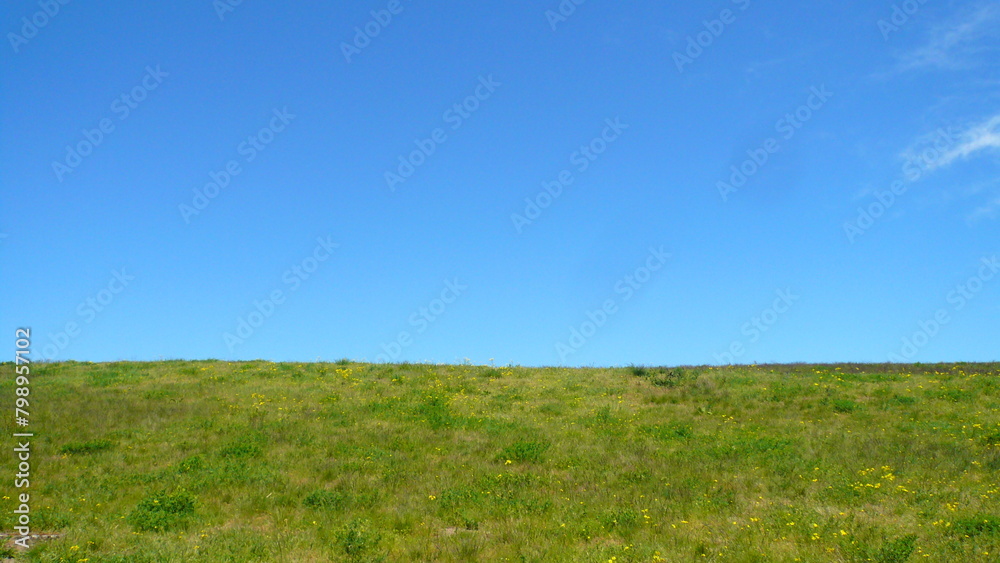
(979, 138)
(956, 44)
(946, 147)
(984, 136)
(968, 41)
(990, 210)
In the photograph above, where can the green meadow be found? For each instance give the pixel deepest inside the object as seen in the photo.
(260, 461)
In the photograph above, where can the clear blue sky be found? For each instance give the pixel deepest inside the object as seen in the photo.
(627, 124)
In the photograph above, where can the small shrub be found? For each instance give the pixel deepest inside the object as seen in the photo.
(455, 497)
(683, 431)
(897, 550)
(638, 371)
(508, 483)
(326, 500)
(357, 540)
(521, 452)
(162, 512)
(892, 551)
(492, 373)
(366, 500)
(763, 444)
(469, 523)
(241, 449)
(604, 417)
(670, 431)
(46, 518)
(104, 377)
(93, 446)
(634, 477)
(160, 395)
(845, 405)
(956, 395)
(979, 525)
(671, 378)
(436, 412)
(554, 409)
(191, 464)
(240, 543)
(621, 519)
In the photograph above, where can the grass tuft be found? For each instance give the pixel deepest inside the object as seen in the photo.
(163, 512)
(523, 452)
(89, 447)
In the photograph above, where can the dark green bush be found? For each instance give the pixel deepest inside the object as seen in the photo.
(162, 512)
(93, 446)
(979, 525)
(326, 500)
(531, 452)
(844, 405)
(243, 448)
(358, 541)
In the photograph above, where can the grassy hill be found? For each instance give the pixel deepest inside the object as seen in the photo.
(257, 461)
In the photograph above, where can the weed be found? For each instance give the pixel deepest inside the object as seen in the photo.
(845, 405)
(326, 500)
(621, 519)
(191, 464)
(242, 448)
(163, 512)
(897, 550)
(90, 447)
(523, 452)
(358, 541)
(979, 525)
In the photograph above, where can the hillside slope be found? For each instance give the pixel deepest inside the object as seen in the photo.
(256, 461)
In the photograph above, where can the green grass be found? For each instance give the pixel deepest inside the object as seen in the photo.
(256, 461)
(163, 512)
(88, 447)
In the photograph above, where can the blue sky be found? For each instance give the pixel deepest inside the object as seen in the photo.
(539, 183)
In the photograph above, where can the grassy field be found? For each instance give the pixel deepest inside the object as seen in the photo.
(256, 461)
